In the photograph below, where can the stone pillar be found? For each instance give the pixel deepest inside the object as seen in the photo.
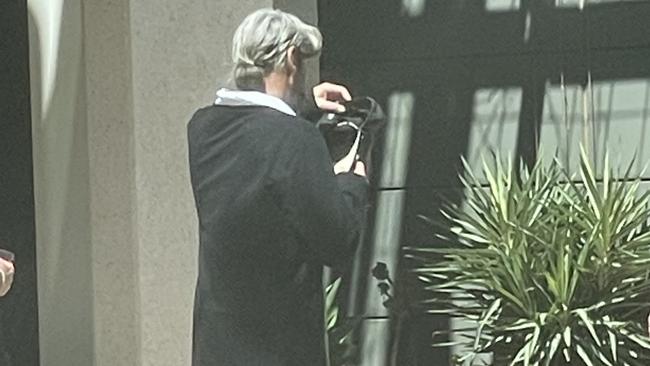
(61, 187)
(180, 56)
(117, 326)
(114, 84)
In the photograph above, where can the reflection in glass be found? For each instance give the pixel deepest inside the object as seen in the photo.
(413, 8)
(463, 327)
(502, 5)
(386, 244)
(621, 117)
(398, 140)
(582, 3)
(460, 333)
(388, 219)
(562, 128)
(376, 335)
(495, 125)
(612, 117)
(570, 3)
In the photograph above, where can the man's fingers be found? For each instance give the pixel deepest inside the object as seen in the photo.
(6, 276)
(346, 94)
(331, 106)
(354, 151)
(360, 169)
(352, 154)
(338, 90)
(331, 91)
(4, 283)
(6, 265)
(345, 164)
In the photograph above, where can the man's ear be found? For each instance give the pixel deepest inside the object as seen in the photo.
(292, 60)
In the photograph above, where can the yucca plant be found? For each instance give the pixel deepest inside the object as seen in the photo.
(341, 346)
(549, 268)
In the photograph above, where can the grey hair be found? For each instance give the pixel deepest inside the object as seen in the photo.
(261, 42)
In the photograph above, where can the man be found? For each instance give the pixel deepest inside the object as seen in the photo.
(272, 209)
(6, 275)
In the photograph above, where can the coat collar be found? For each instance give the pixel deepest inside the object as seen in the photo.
(249, 98)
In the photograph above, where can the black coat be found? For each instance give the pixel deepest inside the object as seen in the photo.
(271, 214)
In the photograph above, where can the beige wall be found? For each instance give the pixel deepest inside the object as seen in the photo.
(113, 220)
(114, 83)
(62, 197)
(180, 54)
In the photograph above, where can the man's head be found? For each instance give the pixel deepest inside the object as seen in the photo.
(269, 47)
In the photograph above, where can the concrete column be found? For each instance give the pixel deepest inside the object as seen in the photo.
(115, 82)
(180, 56)
(117, 323)
(61, 187)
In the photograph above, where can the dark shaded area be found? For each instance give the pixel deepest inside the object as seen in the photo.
(446, 54)
(18, 310)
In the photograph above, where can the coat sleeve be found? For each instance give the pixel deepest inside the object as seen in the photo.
(326, 211)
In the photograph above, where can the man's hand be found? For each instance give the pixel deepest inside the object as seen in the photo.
(345, 165)
(6, 276)
(360, 169)
(328, 97)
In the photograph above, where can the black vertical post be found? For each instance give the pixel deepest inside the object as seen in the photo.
(530, 121)
(19, 308)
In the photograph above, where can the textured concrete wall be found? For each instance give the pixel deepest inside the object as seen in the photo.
(114, 84)
(113, 220)
(180, 55)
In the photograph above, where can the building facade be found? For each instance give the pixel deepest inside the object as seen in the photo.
(95, 133)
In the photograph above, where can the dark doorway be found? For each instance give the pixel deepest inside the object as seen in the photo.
(19, 309)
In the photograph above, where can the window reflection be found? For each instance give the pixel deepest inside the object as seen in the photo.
(495, 125)
(398, 140)
(413, 8)
(388, 219)
(621, 117)
(497, 6)
(583, 3)
(386, 248)
(563, 128)
(502, 5)
(612, 116)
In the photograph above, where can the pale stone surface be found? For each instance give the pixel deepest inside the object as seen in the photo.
(109, 111)
(181, 53)
(117, 231)
(61, 189)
